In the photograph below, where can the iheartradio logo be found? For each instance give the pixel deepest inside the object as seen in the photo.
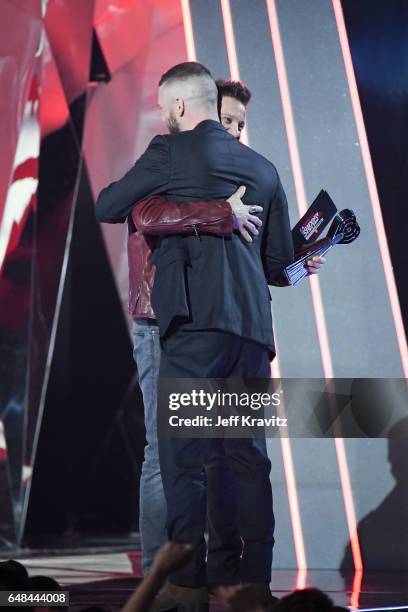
(311, 225)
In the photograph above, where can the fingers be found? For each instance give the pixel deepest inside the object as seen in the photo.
(245, 234)
(251, 227)
(240, 192)
(254, 208)
(245, 222)
(312, 269)
(247, 227)
(255, 220)
(314, 264)
(318, 260)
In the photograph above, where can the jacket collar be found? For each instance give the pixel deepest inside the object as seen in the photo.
(210, 124)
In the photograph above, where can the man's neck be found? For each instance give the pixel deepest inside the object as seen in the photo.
(194, 121)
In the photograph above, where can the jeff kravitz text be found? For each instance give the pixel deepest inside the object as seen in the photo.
(234, 420)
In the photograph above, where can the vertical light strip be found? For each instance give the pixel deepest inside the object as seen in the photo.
(294, 512)
(230, 39)
(349, 503)
(298, 180)
(232, 53)
(285, 442)
(356, 589)
(188, 31)
(315, 285)
(372, 188)
(293, 497)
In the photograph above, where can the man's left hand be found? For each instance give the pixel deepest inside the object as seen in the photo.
(313, 265)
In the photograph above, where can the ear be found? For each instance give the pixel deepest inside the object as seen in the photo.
(180, 107)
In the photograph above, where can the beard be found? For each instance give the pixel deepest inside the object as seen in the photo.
(172, 124)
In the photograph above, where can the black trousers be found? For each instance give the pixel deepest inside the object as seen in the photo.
(215, 354)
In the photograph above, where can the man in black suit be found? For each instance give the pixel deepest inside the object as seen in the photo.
(203, 161)
(212, 304)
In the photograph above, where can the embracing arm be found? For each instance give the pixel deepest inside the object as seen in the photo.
(161, 216)
(149, 175)
(277, 244)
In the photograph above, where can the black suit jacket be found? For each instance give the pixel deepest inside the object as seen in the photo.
(209, 282)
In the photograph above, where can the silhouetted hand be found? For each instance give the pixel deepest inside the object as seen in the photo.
(170, 557)
(239, 598)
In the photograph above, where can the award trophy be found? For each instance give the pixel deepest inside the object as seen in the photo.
(343, 230)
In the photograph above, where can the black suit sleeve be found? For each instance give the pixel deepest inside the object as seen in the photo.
(277, 244)
(149, 176)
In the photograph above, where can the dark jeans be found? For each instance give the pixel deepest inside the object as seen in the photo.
(214, 354)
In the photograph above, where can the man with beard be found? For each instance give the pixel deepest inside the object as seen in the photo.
(229, 336)
(159, 216)
(154, 217)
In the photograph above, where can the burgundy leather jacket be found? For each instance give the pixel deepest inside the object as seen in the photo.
(158, 216)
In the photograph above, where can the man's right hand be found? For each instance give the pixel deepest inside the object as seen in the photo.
(244, 219)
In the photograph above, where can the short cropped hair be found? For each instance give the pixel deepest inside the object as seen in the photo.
(197, 81)
(184, 71)
(233, 89)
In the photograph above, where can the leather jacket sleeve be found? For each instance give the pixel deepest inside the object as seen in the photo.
(160, 216)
